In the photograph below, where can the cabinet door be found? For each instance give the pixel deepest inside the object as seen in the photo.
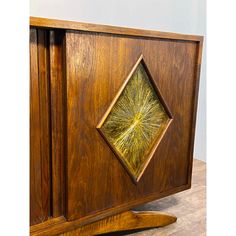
(109, 166)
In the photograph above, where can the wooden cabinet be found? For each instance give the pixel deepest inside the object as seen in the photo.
(79, 76)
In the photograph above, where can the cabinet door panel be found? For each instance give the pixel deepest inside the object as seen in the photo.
(97, 66)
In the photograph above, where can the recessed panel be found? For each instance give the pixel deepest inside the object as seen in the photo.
(136, 122)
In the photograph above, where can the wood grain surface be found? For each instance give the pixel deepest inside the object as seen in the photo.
(76, 70)
(57, 74)
(87, 27)
(129, 125)
(189, 206)
(40, 146)
(97, 66)
(125, 221)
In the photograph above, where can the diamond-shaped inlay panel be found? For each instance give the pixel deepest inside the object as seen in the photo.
(136, 121)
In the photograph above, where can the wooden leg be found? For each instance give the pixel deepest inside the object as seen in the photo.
(129, 220)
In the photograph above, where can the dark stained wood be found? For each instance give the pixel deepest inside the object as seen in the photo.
(189, 206)
(75, 75)
(57, 75)
(39, 128)
(140, 60)
(55, 226)
(97, 66)
(36, 210)
(44, 96)
(63, 24)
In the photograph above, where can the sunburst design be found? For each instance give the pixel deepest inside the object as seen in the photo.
(135, 122)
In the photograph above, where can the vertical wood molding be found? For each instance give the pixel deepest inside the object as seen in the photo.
(57, 120)
(40, 143)
(44, 96)
(36, 210)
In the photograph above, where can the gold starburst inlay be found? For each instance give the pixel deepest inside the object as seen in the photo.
(136, 122)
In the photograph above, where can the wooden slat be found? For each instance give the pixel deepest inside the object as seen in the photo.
(57, 120)
(39, 128)
(62, 24)
(44, 95)
(36, 210)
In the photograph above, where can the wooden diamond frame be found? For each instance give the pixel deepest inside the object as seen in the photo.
(136, 174)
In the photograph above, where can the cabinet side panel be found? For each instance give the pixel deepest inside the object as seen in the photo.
(39, 128)
(194, 107)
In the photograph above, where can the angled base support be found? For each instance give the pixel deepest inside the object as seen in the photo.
(129, 220)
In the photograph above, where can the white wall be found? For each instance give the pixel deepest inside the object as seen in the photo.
(183, 16)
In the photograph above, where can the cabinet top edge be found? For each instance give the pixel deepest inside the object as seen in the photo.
(89, 27)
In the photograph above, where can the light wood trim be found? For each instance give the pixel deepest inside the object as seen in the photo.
(50, 223)
(129, 220)
(72, 25)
